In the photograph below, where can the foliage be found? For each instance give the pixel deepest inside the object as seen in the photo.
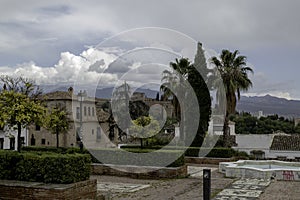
(184, 71)
(46, 167)
(21, 85)
(57, 121)
(199, 83)
(144, 127)
(139, 157)
(247, 124)
(217, 152)
(234, 73)
(19, 110)
(120, 108)
(62, 150)
(138, 109)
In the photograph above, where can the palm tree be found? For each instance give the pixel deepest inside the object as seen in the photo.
(176, 79)
(234, 73)
(173, 79)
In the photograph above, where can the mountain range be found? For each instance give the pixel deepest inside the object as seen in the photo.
(270, 105)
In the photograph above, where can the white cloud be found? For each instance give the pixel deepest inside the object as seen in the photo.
(69, 69)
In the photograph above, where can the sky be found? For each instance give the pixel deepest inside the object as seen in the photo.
(71, 42)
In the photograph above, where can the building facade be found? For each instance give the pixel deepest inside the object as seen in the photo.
(9, 138)
(84, 124)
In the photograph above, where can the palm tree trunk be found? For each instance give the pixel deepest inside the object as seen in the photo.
(226, 131)
(19, 137)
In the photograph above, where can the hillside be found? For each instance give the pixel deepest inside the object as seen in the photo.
(270, 105)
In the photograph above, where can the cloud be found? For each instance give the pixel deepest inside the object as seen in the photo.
(69, 69)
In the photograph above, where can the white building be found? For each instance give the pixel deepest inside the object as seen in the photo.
(276, 146)
(8, 138)
(84, 124)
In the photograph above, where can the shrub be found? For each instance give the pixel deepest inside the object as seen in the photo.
(139, 157)
(8, 162)
(63, 150)
(44, 167)
(214, 153)
(217, 152)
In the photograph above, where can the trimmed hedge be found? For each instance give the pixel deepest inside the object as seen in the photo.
(139, 157)
(62, 150)
(217, 152)
(44, 167)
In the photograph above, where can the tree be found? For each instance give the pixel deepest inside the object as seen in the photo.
(21, 85)
(234, 73)
(184, 71)
(57, 121)
(120, 108)
(19, 110)
(199, 78)
(144, 127)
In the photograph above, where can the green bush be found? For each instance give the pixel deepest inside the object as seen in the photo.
(63, 150)
(8, 163)
(217, 152)
(44, 167)
(139, 157)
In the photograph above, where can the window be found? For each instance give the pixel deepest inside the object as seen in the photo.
(78, 134)
(98, 133)
(22, 140)
(77, 112)
(43, 141)
(89, 111)
(92, 131)
(32, 140)
(93, 111)
(37, 127)
(84, 110)
(1, 143)
(12, 142)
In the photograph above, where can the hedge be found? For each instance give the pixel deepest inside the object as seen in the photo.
(45, 167)
(139, 157)
(63, 150)
(117, 156)
(217, 152)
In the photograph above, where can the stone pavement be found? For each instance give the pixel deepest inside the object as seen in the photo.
(244, 189)
(193, 171)
(123, 188)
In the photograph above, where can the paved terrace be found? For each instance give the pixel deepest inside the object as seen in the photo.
(122, 188)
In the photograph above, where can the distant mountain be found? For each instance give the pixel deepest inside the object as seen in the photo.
(270, 105)
(107, 92)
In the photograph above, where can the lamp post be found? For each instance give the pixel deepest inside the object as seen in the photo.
(80, 99)
(206, 184)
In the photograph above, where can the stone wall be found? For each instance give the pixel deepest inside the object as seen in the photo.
(32, 190)
(143, 172)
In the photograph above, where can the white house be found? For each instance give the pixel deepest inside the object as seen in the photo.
(277, 146)
(8, 138)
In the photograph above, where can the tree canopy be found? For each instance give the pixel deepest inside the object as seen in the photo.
(19, 110)
(57, 121)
